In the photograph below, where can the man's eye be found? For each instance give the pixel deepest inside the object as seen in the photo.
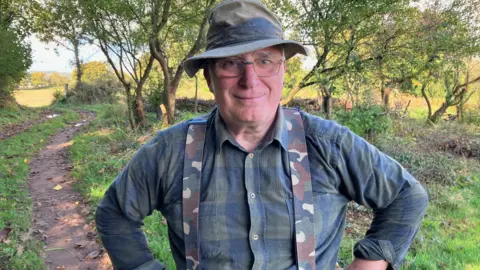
(264, 62)
(230, 64)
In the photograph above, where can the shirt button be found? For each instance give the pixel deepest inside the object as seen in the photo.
(252, 195)
(250, 155)
(255, 237)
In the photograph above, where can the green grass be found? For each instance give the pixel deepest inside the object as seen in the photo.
(15, 203)
(100, 154)
(450, 235)
(11, 117)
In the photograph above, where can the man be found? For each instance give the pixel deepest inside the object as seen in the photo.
(249, 213)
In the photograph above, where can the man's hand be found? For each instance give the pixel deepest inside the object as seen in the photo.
(359, 264)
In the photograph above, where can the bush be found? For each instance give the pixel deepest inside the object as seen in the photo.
(429, 167)
(59, 97)
(366, 121)
(102, 91)
(472, 116)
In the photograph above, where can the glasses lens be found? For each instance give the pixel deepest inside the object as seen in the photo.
(265, 67)
(235, 68)
(229, 67)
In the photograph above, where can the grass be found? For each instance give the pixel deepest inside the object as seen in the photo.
(15, 203)
(36, 97)
(100, 154)
(11, 117)
(450, 234)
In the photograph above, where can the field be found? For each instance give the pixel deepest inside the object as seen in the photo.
(36, 97)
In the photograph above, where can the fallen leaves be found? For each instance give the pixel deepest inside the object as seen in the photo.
(4, 234)
(94, 254)
(57, 187)
(26, 236)
(19, 250)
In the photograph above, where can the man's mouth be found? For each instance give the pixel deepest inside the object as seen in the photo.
(250, 97)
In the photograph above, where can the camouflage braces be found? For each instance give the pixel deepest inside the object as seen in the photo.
(301, 187)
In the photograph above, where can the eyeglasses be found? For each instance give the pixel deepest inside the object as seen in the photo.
(236, 67)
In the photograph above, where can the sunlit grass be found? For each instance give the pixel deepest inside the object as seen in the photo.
(36, 97)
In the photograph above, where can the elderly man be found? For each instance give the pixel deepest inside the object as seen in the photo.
(252, 185)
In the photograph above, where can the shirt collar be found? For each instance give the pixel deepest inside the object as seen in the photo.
(278, 132)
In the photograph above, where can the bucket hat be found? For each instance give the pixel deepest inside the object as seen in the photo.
(238, 27)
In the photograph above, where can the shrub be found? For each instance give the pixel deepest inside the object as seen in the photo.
(366, 121)
(59, 96)
(101, 91)
(472, 116)
(429, 167)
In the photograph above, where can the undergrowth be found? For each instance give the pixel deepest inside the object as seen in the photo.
(18, 251)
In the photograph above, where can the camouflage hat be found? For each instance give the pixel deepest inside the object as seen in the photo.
(241, 26)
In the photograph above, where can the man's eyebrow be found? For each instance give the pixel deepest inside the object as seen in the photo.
(264, 54)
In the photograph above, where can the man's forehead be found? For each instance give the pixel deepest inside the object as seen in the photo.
(269, 51)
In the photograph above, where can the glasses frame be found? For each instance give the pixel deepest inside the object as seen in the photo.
(244, 65)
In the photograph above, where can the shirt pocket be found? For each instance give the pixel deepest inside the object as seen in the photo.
(209, 236)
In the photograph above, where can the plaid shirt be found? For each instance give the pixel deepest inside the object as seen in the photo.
(246, 208)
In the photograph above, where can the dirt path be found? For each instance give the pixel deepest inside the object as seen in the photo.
(60, 216)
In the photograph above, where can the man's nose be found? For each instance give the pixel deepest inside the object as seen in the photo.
(249, 78)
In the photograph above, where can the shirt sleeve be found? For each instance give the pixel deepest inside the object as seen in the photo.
(132, 196)
(375, 180)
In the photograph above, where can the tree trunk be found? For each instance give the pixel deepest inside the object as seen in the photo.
(460, 109)
(142, 120)
(77, 61)
(169, 98)
(327, 106)
(131, 116)
(429, 105)
(385, 96)
(439, 113)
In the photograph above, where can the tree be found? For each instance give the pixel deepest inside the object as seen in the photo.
(448, 34)
(57, 79)
(122, 41)
(95, 71)
(15, 53)
(39, 79)
(62, 22)
(177, 31)
(341, 34)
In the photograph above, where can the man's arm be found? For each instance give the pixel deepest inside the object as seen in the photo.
(119, 217)
(373, 179)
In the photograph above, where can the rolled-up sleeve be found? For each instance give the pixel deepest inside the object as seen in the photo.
(133, 195)
(375, 180)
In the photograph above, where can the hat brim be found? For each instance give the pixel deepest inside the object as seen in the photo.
(193, 64)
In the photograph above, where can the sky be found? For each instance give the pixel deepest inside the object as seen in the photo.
(50, 57)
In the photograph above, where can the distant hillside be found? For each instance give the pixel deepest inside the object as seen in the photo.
(51, 71)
